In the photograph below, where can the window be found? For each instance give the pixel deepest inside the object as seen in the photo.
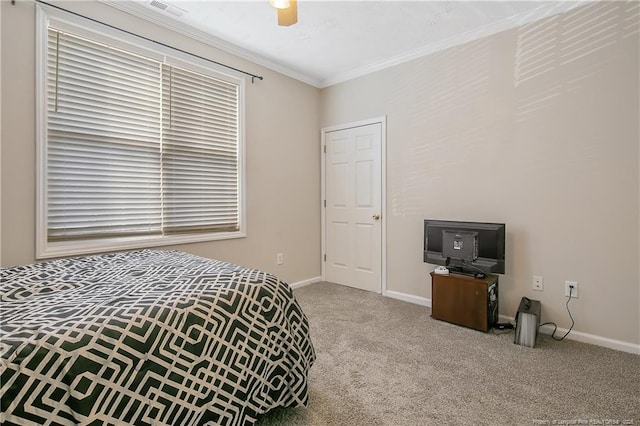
(136, 148)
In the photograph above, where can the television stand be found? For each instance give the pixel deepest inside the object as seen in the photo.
(463, 300)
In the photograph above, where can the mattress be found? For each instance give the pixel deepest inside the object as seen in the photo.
(149, 337)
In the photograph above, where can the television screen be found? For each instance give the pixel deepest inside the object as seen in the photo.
(465, 247)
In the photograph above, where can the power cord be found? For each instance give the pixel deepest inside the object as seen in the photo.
(497, 330)
(467, 263)
(555, 327)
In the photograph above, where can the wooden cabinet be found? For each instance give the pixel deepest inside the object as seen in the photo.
(465, 300)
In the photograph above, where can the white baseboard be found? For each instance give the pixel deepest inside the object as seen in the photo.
(303, 283)
(408, 298)
(594, 340)
(579, 336)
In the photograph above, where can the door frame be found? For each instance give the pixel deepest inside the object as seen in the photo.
(383, 189)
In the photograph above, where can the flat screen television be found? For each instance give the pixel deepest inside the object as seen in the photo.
(465, 247)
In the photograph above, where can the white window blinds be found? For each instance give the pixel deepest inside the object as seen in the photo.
(136, 147)
(199, 152)
(104, 137)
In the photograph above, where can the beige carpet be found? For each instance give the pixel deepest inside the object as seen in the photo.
(386, 362)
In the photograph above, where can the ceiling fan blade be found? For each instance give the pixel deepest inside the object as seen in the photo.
(288, 16)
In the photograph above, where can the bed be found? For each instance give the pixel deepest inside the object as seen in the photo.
(149, 337)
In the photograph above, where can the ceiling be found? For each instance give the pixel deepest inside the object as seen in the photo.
(335, 41)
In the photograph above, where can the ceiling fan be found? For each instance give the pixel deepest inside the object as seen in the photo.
(287, 11)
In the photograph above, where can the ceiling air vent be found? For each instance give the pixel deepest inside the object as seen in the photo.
(159, 5)
(167, 8)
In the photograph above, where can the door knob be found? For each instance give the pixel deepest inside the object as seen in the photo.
(376, 216)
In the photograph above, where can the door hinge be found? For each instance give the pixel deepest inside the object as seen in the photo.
(325, 257)
(325, 203)
(325, 149)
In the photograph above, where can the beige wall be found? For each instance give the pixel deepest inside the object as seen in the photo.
(0, 136)
(536, 127)
(282, 140)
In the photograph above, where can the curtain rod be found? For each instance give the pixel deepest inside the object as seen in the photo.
(253, 76)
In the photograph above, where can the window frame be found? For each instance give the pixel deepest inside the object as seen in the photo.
(46, 16)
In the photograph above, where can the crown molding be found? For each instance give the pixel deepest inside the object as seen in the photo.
(142, 12)
(154, 17)
(485, 31)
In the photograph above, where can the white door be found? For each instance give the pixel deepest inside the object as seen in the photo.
(353, 193)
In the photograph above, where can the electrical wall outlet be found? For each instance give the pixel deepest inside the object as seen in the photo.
(279, 258)
(571, 292)
(538, 283)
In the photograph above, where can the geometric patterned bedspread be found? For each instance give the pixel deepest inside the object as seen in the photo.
(148, 338)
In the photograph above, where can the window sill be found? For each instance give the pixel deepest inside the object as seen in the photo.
(61, 249)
